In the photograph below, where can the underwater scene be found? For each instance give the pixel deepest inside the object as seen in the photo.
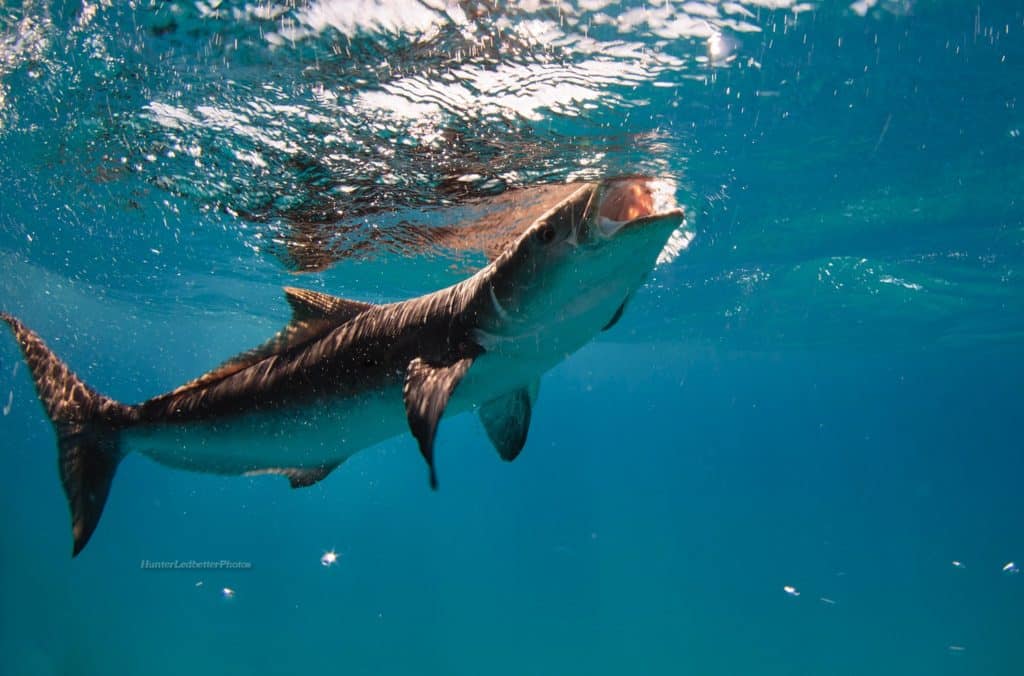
(472, 337)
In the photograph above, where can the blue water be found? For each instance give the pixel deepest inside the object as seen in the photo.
(823, 392)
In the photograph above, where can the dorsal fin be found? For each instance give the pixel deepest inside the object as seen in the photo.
(311, 305)
(313, 315)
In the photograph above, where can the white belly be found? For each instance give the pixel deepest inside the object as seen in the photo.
(323, 433)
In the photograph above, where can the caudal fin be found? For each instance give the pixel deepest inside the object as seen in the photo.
(88, 428)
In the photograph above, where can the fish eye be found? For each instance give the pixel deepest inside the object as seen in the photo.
(545, 234)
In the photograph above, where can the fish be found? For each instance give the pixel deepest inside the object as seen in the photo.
(343, 375)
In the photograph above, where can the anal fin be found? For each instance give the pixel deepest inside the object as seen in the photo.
(426, 393)
(299, 477)
(507, 420)
(615, 317)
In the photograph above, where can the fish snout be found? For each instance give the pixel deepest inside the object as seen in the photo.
(626, 200)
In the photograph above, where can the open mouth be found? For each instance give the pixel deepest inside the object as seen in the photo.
(633, 200)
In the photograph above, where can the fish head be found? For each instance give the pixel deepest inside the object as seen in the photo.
(570, 273)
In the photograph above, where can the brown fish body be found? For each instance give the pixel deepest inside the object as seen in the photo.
(343, 375)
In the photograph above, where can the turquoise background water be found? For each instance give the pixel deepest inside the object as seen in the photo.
(824, 391)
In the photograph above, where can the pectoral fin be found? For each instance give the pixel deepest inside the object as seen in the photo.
(507, 420)
(426, 393)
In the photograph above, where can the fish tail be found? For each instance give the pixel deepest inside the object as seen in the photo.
(88, 426)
